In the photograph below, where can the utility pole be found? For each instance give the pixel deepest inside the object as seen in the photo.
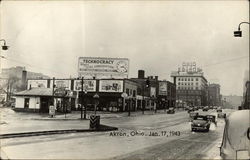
(82, 98)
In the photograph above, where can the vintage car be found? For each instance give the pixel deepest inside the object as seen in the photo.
(219, 110)
(205, 108)
(171, 111)
(236, 137)
(193, 114)
(200, 122)
(212, 118)
(190, 109)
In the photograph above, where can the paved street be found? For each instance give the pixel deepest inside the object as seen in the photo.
(155, 136)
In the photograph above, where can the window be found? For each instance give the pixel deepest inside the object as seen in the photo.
(188, 79)
(127, 91)
(179, 83)
(179, 79)
(185, 79)
(196, 88)
(196, 79)
(197, 83)
(192, 79)
(134, 93)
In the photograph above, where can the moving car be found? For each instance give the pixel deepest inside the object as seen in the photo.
(200, 122)
(221, 114)
(193, 114)
(171, 111)
(212, 118)
(236, 137)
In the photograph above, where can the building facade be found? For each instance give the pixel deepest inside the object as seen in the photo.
(191, 85)
(214, 98)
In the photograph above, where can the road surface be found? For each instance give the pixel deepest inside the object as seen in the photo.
(156, 136)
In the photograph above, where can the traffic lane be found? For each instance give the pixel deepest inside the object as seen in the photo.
(147, 121)
(197, 145)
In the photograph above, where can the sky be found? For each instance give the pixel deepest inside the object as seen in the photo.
(156, 36)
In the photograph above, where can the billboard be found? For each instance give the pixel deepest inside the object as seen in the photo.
(163, 88)
(103, 67)
(111, 86)
(61, 83)
(41, 83)
(89, 85)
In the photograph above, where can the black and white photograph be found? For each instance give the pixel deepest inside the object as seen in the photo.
(124, 79)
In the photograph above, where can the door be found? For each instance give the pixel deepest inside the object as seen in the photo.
(26, 102)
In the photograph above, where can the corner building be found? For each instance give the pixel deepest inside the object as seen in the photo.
(191, 85)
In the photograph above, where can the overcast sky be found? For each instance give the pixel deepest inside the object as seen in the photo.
(157, 36)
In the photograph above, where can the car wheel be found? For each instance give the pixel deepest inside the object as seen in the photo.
(207, 129)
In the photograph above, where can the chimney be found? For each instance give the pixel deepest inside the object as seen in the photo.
(24, 79)
(141, 74)
(156, 78)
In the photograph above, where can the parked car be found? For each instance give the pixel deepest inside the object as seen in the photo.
(200, 122)
(205, 108)
(212, 118)
(196, 108)
(219, 110)
(171, 111)
(191, 109)
(236, 137)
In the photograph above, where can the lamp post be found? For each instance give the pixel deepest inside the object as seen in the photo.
(84, 91)
(96, 99)
(239, 34)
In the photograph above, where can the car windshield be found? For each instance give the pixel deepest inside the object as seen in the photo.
(200, 118)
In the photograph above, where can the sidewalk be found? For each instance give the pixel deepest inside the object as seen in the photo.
(76, 115)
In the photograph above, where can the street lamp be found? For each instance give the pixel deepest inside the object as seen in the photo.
(239, 34)
(4, 47)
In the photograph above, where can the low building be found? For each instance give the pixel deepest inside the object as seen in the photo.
(38, 100)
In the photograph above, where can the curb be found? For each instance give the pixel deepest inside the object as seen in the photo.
(102, 128)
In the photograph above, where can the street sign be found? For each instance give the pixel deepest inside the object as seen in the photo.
(60, 92)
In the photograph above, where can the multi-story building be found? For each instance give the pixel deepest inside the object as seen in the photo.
(214, 95)
(191, 85)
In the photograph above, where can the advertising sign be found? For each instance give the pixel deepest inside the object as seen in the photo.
(163, 88)
(61, 84)
(37, 83)
(96, 67)
(111, 86)
(89, 85)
